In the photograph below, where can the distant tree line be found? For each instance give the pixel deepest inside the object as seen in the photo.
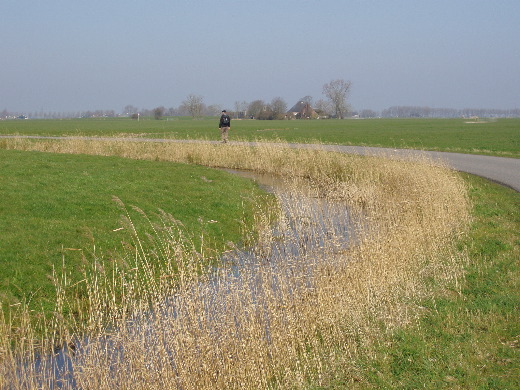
(334, 106)
(427, 112)
(5, 114)
(193, 106)
(276, 109)
(336, 91)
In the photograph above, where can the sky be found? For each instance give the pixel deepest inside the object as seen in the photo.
(79, 55)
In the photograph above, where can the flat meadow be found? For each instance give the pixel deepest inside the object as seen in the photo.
(500, 137)
(426, 298)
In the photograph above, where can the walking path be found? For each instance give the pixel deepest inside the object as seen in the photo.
(502, 170)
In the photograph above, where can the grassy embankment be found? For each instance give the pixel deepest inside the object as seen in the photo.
(498, 137)
(59, 208)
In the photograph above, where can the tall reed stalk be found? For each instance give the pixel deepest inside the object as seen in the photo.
(280, 322)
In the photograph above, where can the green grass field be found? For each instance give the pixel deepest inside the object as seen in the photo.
(60, 206)
(498, 137)
(469, 339)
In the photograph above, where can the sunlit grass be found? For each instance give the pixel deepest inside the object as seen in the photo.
(59, 205)
(495, 137)
(410, 216)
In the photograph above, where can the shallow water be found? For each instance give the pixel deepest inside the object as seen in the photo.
(309, 231)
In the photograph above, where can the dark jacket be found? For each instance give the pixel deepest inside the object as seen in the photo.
(222, 123)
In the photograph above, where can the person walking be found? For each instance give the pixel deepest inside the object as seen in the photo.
(224, 126)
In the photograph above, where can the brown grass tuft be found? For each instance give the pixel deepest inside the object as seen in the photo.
(281, 322)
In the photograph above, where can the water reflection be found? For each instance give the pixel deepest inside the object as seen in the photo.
(307, 234)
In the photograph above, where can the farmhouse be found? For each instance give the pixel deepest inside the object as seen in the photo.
(302, 110)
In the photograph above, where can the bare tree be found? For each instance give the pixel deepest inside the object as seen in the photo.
(129, 110)
(278, 108)
(255, 108)
(241, 109)
(172, 111)
(337, 91)
(367, 113)
(322, 108)
(194, 105)
(158, 112)
(214, 109)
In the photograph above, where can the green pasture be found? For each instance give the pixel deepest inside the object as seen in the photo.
(57, 207)
(52, 205)
(490, 137)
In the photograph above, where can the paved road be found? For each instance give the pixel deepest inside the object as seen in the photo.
(505, 171)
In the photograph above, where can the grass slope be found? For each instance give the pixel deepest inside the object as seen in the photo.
(56, 205)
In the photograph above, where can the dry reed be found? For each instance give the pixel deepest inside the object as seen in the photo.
(277, 322)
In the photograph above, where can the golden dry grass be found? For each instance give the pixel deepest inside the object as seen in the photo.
(180, 328)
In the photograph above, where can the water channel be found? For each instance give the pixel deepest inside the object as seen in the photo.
(309, 231)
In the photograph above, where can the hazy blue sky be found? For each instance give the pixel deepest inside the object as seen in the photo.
(77, 55)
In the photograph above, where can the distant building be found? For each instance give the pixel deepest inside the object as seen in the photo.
(302, 110)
